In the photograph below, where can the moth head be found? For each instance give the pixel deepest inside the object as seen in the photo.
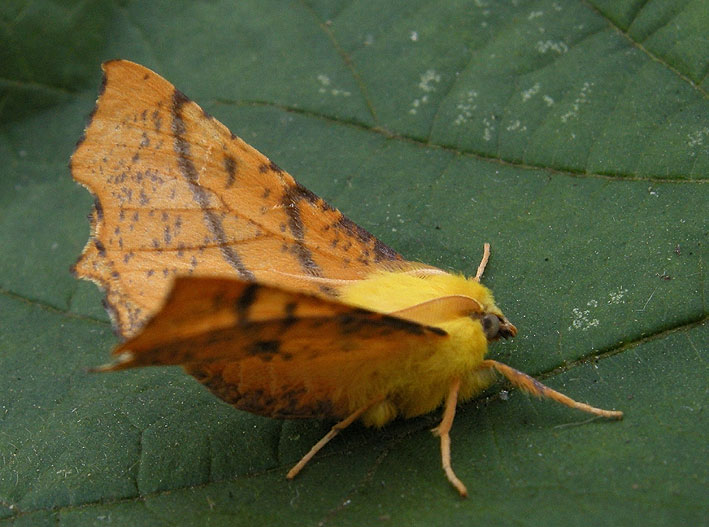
(496, 326)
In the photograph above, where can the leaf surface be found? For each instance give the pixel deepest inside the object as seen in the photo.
(572, 136)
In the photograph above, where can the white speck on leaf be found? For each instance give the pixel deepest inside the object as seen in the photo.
(559, 46)
(324, 79)
(582, 98)
(516, 126)
(531, 92)
(427, 84)
(325, 87)
(582, 320)
(616, 297)
(414, 36)
(696, 139)
(489, 128)
(466, 107)
(426, 80)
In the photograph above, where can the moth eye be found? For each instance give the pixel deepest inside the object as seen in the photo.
(491, 326)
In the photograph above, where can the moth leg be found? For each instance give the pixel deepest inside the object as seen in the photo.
(483, 262)
(326, 439)
(442, 431)
(531, 385)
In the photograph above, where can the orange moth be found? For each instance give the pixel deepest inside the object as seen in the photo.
(214, 258)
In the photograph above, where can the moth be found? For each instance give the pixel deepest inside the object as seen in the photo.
(214, 258)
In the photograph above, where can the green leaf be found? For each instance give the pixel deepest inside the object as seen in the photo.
(573, 136)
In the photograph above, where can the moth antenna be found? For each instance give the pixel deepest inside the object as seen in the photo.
(483, 262)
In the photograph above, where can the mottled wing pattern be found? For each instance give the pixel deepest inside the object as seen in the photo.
(271, 351)
(177, 193)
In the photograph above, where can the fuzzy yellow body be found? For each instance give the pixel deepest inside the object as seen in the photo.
(419, 383)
